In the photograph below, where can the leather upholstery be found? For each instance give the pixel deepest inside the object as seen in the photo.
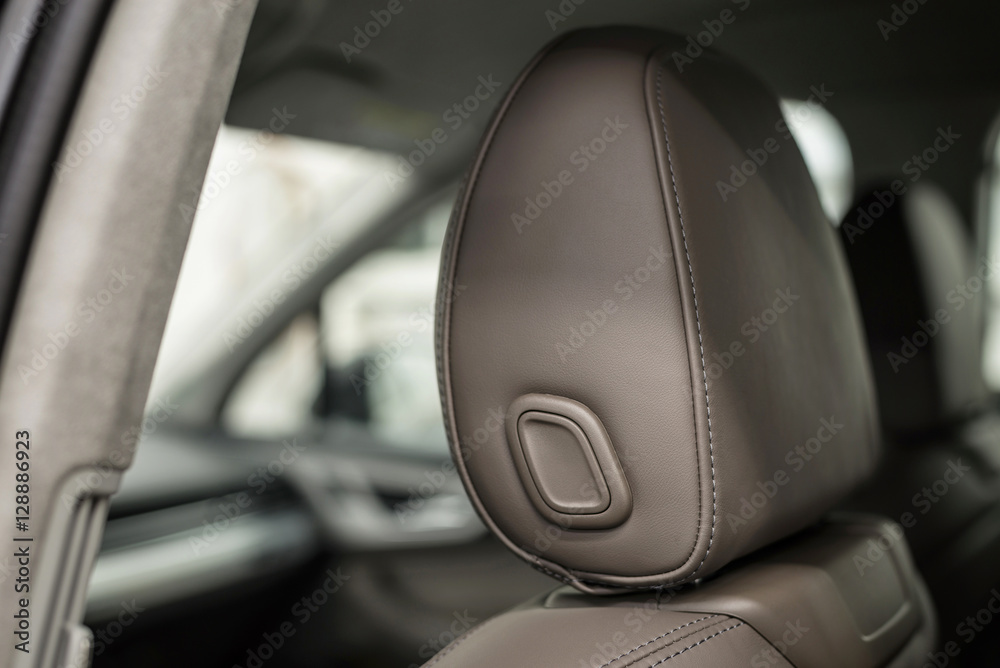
(911, 260)
(940, 476)
(945, 492)
(596, 636)
(609, 250)
(830, 598)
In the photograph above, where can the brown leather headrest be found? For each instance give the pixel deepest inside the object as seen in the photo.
(650, 355)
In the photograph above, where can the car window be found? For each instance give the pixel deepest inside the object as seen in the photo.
(366, 355)
(271, 203)
(378, 323)
(274, 396)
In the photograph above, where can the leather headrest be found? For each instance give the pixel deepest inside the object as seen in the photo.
(651, 361)
(921, 296)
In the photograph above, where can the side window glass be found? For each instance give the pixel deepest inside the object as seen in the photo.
(378, 336)
(367, 359)
(275, 393)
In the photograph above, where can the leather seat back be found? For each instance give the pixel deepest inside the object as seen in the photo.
(922, 293)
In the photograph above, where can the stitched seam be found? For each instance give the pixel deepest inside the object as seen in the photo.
(680, 298)
(663, 635)
(697, 319)
(573, 581)
(671, 643)
(703, 640)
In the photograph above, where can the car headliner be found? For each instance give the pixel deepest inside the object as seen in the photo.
(892, 89)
